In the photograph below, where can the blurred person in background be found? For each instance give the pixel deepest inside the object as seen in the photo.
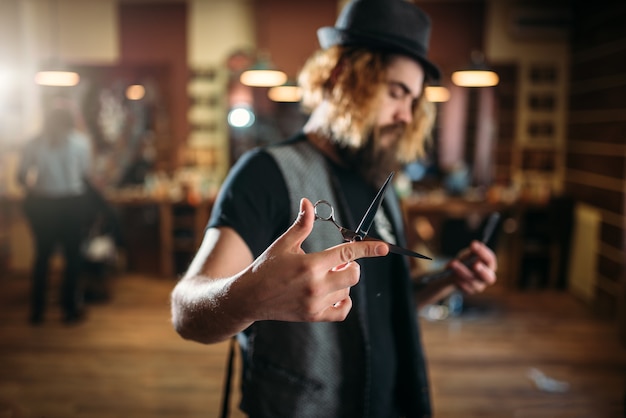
(54, 169)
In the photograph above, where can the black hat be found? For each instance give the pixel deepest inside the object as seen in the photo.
(390, 25)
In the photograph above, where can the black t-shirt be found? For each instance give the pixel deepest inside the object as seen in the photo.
(254, 201)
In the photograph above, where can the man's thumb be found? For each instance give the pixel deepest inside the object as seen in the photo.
(303, 225)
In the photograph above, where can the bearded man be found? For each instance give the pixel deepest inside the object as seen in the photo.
(321, 334)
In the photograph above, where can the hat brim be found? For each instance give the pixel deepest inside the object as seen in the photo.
(331, 36)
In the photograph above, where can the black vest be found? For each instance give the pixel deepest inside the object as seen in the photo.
(295, 369)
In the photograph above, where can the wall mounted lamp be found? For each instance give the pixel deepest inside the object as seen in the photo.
(477, 74)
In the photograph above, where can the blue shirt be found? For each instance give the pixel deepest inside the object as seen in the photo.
(58, 170)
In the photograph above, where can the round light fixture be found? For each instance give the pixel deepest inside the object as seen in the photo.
(241, 117)
(135, 92)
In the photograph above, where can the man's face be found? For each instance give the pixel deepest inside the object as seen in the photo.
(378, 154)
(405, 80)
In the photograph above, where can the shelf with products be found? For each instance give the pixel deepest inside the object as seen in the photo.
(538, 156)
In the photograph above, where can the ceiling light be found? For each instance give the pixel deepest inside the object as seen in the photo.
(263, 78)
(288, 92)
(54, 73)
(135, 92)
(437, 94)
(263, 74)
(475, 78)
(58, 78)
(477, 74)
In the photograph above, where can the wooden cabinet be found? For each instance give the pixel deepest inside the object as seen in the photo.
(161, 236)
(16, 242)
(542, 244)
(182, 228)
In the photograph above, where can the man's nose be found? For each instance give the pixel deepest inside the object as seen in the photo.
(404, 113)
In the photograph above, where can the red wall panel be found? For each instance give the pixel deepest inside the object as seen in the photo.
(156, 33)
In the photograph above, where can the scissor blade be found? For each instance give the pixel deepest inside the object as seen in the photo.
(404, 251)
(368, 219)
(400, 250)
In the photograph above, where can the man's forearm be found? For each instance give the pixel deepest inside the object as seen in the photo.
(432, 291)
(201, 310)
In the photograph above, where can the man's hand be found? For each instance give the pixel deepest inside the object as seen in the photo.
(471, 272)
(475, 268)
(286, 284)
(224, 290)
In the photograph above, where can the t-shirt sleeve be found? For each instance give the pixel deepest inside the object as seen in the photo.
(254, 201)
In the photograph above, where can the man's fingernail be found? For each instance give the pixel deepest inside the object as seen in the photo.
(380, 250)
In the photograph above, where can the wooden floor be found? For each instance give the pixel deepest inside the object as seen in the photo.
(510, 355)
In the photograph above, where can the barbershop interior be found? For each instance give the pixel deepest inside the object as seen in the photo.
(159, 88)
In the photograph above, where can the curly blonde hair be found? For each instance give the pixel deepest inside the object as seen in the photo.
(353, 80)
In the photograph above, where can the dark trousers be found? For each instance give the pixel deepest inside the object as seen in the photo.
(56, 221)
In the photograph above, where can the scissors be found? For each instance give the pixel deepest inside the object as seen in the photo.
(325, 211)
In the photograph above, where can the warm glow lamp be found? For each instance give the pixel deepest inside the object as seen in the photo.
(135, 92)
(59, 78)
(55, 73)
(287, 93)
(437, 94)
(263, 74)
(476, 75)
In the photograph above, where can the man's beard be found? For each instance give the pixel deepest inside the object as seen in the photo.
(374, 161)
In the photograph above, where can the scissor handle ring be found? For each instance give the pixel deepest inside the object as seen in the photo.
(326, 204)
